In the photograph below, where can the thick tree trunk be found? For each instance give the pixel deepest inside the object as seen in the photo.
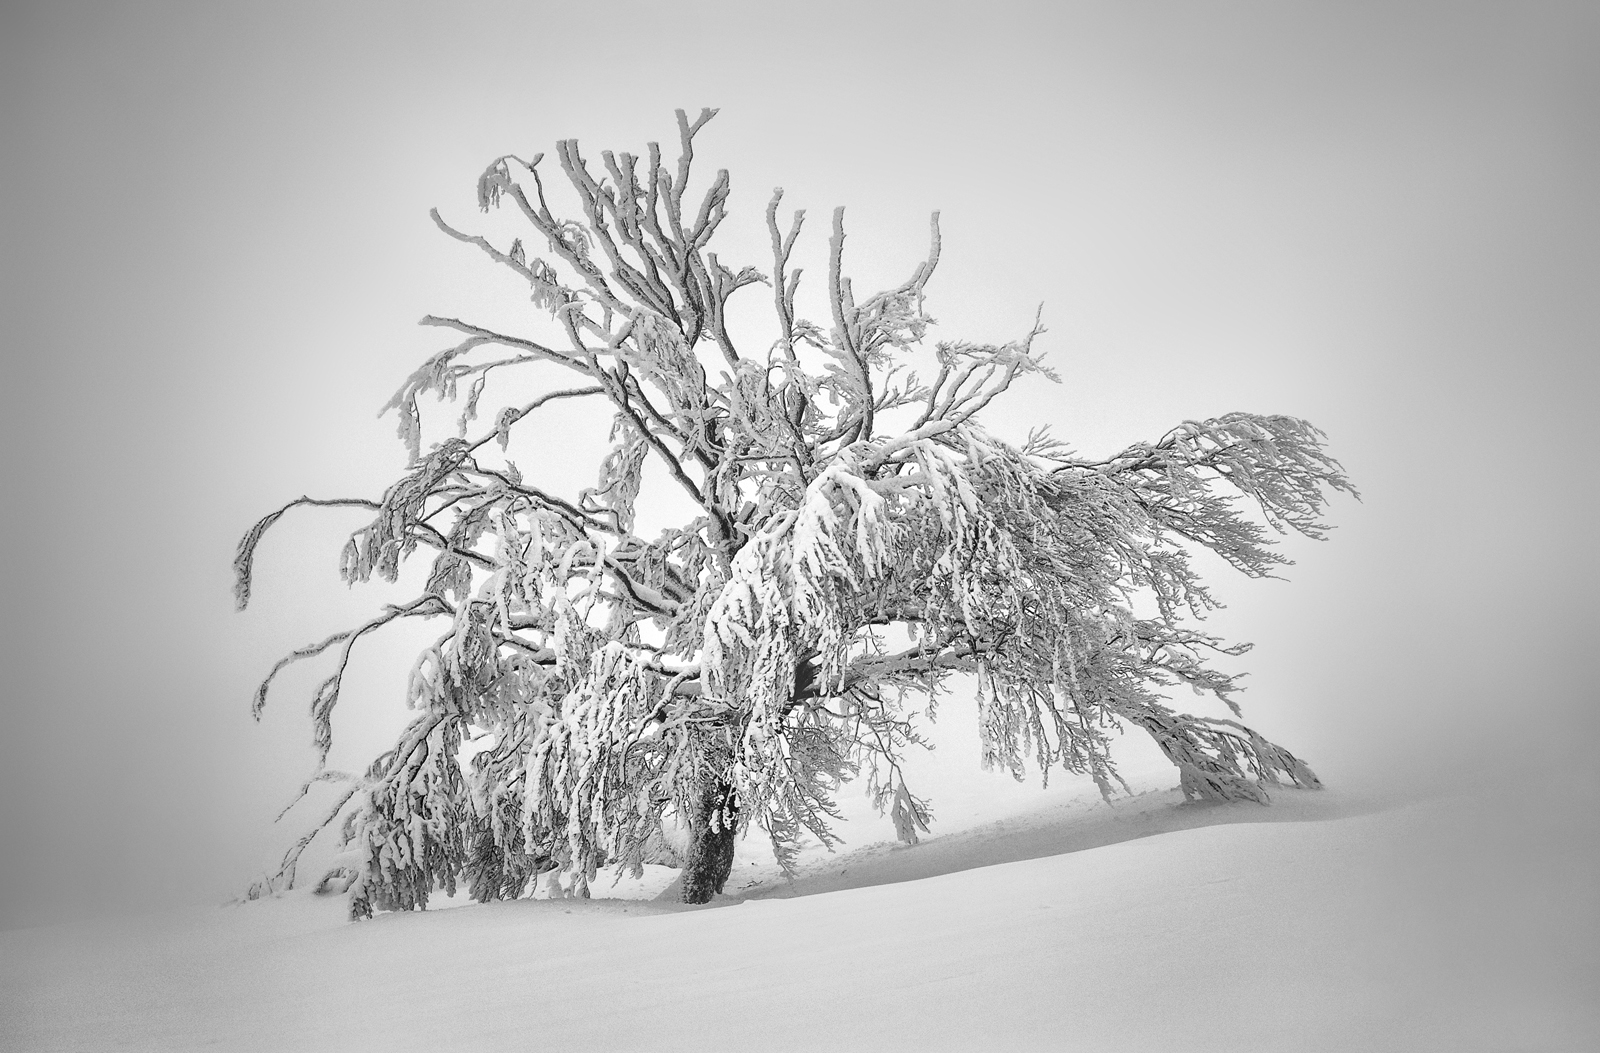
(711, 833)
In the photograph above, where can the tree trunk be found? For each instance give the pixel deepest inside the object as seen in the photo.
(711, 833)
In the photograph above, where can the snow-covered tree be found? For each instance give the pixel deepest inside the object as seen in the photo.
(857, 536)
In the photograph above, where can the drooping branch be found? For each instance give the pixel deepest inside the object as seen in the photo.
(426, 606)
(244, 559)
(283, 879)
(1278, 462)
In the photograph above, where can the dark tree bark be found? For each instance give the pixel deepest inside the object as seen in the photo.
(712, 828)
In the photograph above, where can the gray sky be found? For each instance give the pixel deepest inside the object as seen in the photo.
(1380, 217)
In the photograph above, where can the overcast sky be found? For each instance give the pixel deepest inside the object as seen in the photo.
(1381, 217)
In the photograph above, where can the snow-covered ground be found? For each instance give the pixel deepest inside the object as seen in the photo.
(1328, 921)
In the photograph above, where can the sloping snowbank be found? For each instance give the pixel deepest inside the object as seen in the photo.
(1457, 924)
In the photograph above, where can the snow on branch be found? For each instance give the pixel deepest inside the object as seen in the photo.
(856, 537)
(244, 560)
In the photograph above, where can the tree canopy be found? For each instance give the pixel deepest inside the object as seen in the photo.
(858, 536)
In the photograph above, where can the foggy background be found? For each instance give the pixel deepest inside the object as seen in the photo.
(1380, 217)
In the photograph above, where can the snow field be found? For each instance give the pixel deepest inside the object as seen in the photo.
(1336, 924)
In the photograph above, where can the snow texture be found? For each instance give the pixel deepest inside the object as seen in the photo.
(1327, 922)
